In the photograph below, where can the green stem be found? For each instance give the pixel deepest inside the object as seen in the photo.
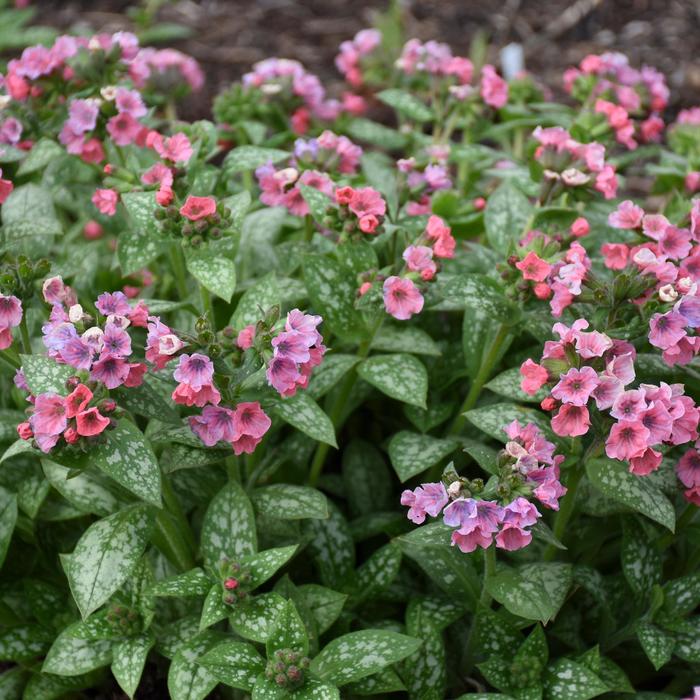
(566, 508)
(24, 332)
(177, 260)
(308, 228)
(481, 378)
(6, 362)
(336, 412)
(207, 305)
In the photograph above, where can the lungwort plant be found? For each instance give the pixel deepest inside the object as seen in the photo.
(389, 392)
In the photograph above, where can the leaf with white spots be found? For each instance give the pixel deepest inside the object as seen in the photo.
(29, 211)
(234, 663)
(441, 610)
(366, 479)
(192, 583)
(641, 560)
(378, 572)
(481, 293)
(45, 375)
(314, 689)
(333, 368)
(568, 680)
(290, 502)
(414, 453)
(106, 555)
(324, 604)
(47, 686)
(265, 689)
(264, 565)
(479, 331)
(406, 104)
(87, 491)
(485, 456)
(174, 635)
(246, 157)
(492, 419)
(238, 205)
(366, 130)
(213, 270)
(425, 671)
(331, 547)
(128, 660)
(71, 654)
(228, 529)
(24, 642)
(148, 399)
(255, 618)
(332, 289)
(508, 384)
(614, 481)
(506, 216)
(187, 680)
(256, 301)
(289, 632)
(682, 595)
(12, 683)
(8, 519)
(359, 654)
(318, 202)
(143, 241)
(394, 338)
(214, 609)
(127, 457)
(657, 644)
(402, 377)
(303, 413)
(42, 153)
(532, 591)
(382, 682)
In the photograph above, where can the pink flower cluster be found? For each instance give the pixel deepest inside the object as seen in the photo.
(365, 203)
(10, 317)
(428, 178)
(243, 428)
(296, 351)
(195, 376)
(329, 152)
(639, 420)
(102, 350)
(69, 417)
(349, 60)
(280, 188)
(477, 522)
(573, 164)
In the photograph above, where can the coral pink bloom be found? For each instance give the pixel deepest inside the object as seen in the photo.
(77, 400)
(195, 370)
(627, 215)
(106, 201)
(186, 395)
(534, 376)
(216, 424)
(136, 373)
(666, 329)
(534, 268)
(344, 195)
(646, 463)
(251, 420)
(615, 254)
(658, 421)
(246, 337)
(575, 387)
(654, 225)
(629, 405)
(606, 182)
(10, 311)
(369, 223)
(627, 439)
(176, 149)
(245, 444)
(401, 297)
(571, 421)
(90, 422)
(580, 227)
(196, 208)
(123, 129)
(494, 90)
(366, 201)
(50, 414)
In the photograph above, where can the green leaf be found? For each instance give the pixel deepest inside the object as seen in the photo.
(477, 291)
(127, 457)
(214, 609)
(641, 560)
(380, 683)
(359, 654)
(332, 547)
(507, 214)
(414, 453)
(24, 642)
(106, 555)
(143, 241)
(42, 153)
(682, 595)
(333, 368)
(128, 660)
(657, 645)
(532, 591)
(239, 204)
(324, 603)
(366, 479)
(12, 683)
(8, 519)
(234, 663)
(508, 384)
(483, 455)
(332, 289)
(228, 529)
(256, 618)
(318, 202)
(290, 502)
(255, 302)
(402, 377)
(147, 399)
(187, 680)
(45, 375)
(303, 413)
(492, 419)
(29, 211)
(265, 564)
(289, 632)
(568, 680)
(406, 104)
(425, 670)
(87, 491)
(393, 338)
(191, 583)
(245, 158)
(71, 655)
(613, 480)
(378, 572)
(213, 270)
(377, 134)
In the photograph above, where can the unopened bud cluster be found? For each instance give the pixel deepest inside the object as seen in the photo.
(195, 229)
(124, 621)
(18, 274)
(286, 668)
(235, 582)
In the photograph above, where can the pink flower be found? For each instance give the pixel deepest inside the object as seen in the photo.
(136, 373)
(130, 102)
(401, 297)
(82, 115)
(627, 439)
(593, 344)
(215, 424)
(116, 341)
(666, 330)
(658, 421)
(548, 490)
(196, 208)
(533, 267)
(580, 227)
(441, 235)
(606, 182)
(629, 405)
(654, 225)
(688, 472)
(282, 374)
(186, 395)
(90, 422)
(571, 421)
(615, 254)
(292, 345)
(113, 304)
(366, 201)
(534, 377)
(627, 215)
(608, 389)
(675, 243)
(494, 90)
(476, 522)
(427, 499)
(77, 400)
(106, 201)
(575, 387)
(646, 463)
(123, 129)
(517, 515)
(50, 415)
(77, 353)
(420, 259)
(176, 149)
(246, 337)
(10, 311)
(111, 371)
(195, 370)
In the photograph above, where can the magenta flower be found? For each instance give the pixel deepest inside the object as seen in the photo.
(666, 330)
(116, 341)
(111, 371)
(548, 489)
(82, 115)
(575, 387)
(571, 421)
(77, 353)
(688, 472)
(282, 374)
(627, 439)
(123, 129)
(196, 370)
(427, 499)
(131, 102)
(401, 297)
